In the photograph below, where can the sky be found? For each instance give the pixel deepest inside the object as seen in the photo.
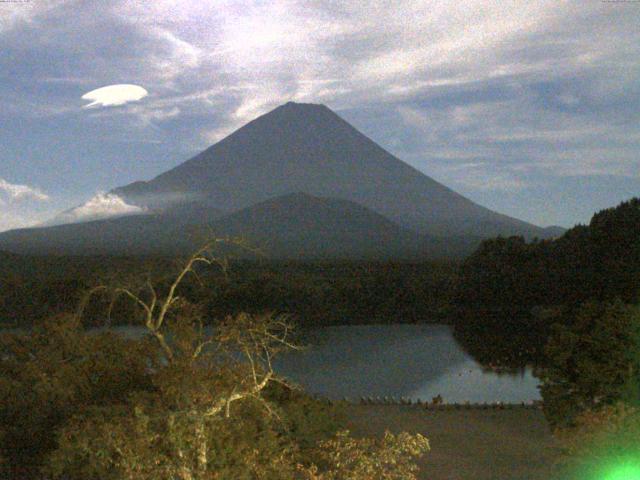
(529, 108)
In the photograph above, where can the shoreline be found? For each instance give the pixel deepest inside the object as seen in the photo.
(431, 406)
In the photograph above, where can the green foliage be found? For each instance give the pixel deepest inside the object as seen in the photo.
(511, 291)
(148, 440)
(506, 340)
(167, 432)
(337, 293)
(98, 406)
(498, 274)
(177, 403)
(305, 420)
(602, 444)
(317, 293)
(151, 438)
(592, 361)
(37, 287)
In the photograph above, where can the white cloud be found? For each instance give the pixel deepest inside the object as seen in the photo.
(114, 95)
(10, 220)
(210, 137)
(15, 193)
(22, 206)
(13, 14)
(101, 206)
(480, 176)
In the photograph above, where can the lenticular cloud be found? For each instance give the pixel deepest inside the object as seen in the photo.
(114, 95)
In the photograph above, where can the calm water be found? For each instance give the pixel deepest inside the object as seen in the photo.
(412, 361)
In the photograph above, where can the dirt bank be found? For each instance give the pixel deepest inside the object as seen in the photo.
(471, 444)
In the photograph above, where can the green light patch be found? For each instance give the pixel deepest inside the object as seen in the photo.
(629, 470)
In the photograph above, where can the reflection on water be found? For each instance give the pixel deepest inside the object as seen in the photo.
(412, 361)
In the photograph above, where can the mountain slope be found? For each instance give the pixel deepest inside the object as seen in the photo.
(149, 234)
(303, 226)
(293, 226)
(308, 148)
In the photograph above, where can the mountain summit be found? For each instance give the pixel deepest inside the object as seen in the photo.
(309, 148)
(299, 181)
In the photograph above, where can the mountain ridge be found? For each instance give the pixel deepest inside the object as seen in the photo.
(299, 179)
(309, 148)
(292, 226)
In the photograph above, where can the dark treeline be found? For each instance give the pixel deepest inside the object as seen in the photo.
(33, 288)
(339, 293)
(513, 291)
(315, 293)
(599, 261)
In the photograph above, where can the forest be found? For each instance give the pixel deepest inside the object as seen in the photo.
(568, 306)
(509, 291)
(316, 293)
(512, 292)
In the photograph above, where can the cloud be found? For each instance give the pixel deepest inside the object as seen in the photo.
(16, 13)
(491, 181)
(20, 213)
(22, 206)
(16, 193)
(114, 95)
(10, 220)
(99, 207)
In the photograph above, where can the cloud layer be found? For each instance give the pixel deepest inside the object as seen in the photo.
(20, 205)
(488, 97)
(101, 206)
(11, 192)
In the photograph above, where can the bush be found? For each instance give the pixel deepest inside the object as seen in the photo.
(601, 443)
(56, 371)
(391, 458)
(591, 361)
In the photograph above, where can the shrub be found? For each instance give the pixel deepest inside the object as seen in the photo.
(591, 362)
(601, 444)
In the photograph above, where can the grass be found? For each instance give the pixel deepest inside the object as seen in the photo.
(467, 444)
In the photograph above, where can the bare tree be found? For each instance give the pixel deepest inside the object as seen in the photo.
(210, 382)
(258, 338)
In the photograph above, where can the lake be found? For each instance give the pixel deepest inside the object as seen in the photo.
(411, 361)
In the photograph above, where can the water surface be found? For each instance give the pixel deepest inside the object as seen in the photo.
(412, 361)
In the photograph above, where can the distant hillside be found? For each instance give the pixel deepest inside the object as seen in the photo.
(308, 148)
(552, 232)
(294, 226)
(303, 226)
(150, 234)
